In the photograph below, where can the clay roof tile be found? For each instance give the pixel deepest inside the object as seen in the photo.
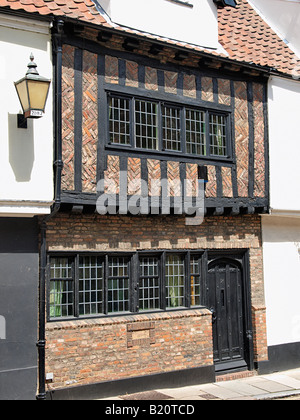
(247, 37)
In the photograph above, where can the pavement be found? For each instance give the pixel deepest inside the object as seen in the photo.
(282, 385)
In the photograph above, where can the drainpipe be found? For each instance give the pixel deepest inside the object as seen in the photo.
(58, 167)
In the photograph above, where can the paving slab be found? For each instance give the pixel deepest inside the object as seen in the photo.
(271, 386)
(178, 393)
(285, 380)
(220, 392)
(241, 387)
(294, 374)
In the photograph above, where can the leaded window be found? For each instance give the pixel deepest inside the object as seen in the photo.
(195, 132)
(61, 288)
(119, 121)
(118, 285)
(149, 284)
(195, 274)
(160, 127)
(91, 277)
(175, 281)
(146, 125)
(217, 132)
(171, 128)
(83, 286)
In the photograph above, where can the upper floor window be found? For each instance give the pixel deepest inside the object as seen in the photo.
(162, 127)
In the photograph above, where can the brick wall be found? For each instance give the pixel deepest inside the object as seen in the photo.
(86, 351)
(92, 351)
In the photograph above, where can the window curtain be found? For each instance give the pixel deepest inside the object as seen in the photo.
(56, 295)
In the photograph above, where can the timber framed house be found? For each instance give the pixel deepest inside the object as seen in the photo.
(147, 294)
(132, 299)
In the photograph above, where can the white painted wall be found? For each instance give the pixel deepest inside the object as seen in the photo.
(281, 247)
(26, 156)
(284, 122)
(284, 17)
(281, 229)
(197, 25)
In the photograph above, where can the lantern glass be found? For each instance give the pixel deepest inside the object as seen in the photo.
(23, 95)
(37, 93)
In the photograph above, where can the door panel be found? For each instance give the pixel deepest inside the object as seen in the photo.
(225, 295)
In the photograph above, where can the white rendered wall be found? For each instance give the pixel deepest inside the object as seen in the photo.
(281, 230)
(284, 131)
(26, 156)
(197, 25)
(281, 248)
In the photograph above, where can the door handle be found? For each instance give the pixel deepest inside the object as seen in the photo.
(214, 315)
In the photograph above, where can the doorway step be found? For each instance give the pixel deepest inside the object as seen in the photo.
(236, 375)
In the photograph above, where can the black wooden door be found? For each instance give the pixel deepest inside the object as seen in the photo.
(225, 296)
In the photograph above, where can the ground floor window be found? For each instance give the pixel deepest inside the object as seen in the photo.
(81, 286)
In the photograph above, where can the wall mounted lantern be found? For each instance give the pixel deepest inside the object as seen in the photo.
(33, 92)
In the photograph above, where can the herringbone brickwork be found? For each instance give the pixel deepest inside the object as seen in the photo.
(132, 74)
(215, 90)
(154, 175)
(211, 186)
(89, 122)
(192, 178)
(111, 70)
(174, 179)
(224, 91)
(189, 86)
(134, 176)
(151, 79)
(259, 141)
(207, 89)
(242, 137)
(112, 175)
(227, 182)
(171, 82)
(68, 117)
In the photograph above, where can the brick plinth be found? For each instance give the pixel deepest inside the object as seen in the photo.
(98, 350)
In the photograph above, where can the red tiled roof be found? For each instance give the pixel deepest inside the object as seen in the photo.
(248, 38)
(242, 32)
(84, 10)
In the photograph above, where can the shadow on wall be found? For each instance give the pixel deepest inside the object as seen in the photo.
(21, 149)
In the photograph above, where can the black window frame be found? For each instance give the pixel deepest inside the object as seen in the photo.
(62, 279)
(182, 107)
(133, 259)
